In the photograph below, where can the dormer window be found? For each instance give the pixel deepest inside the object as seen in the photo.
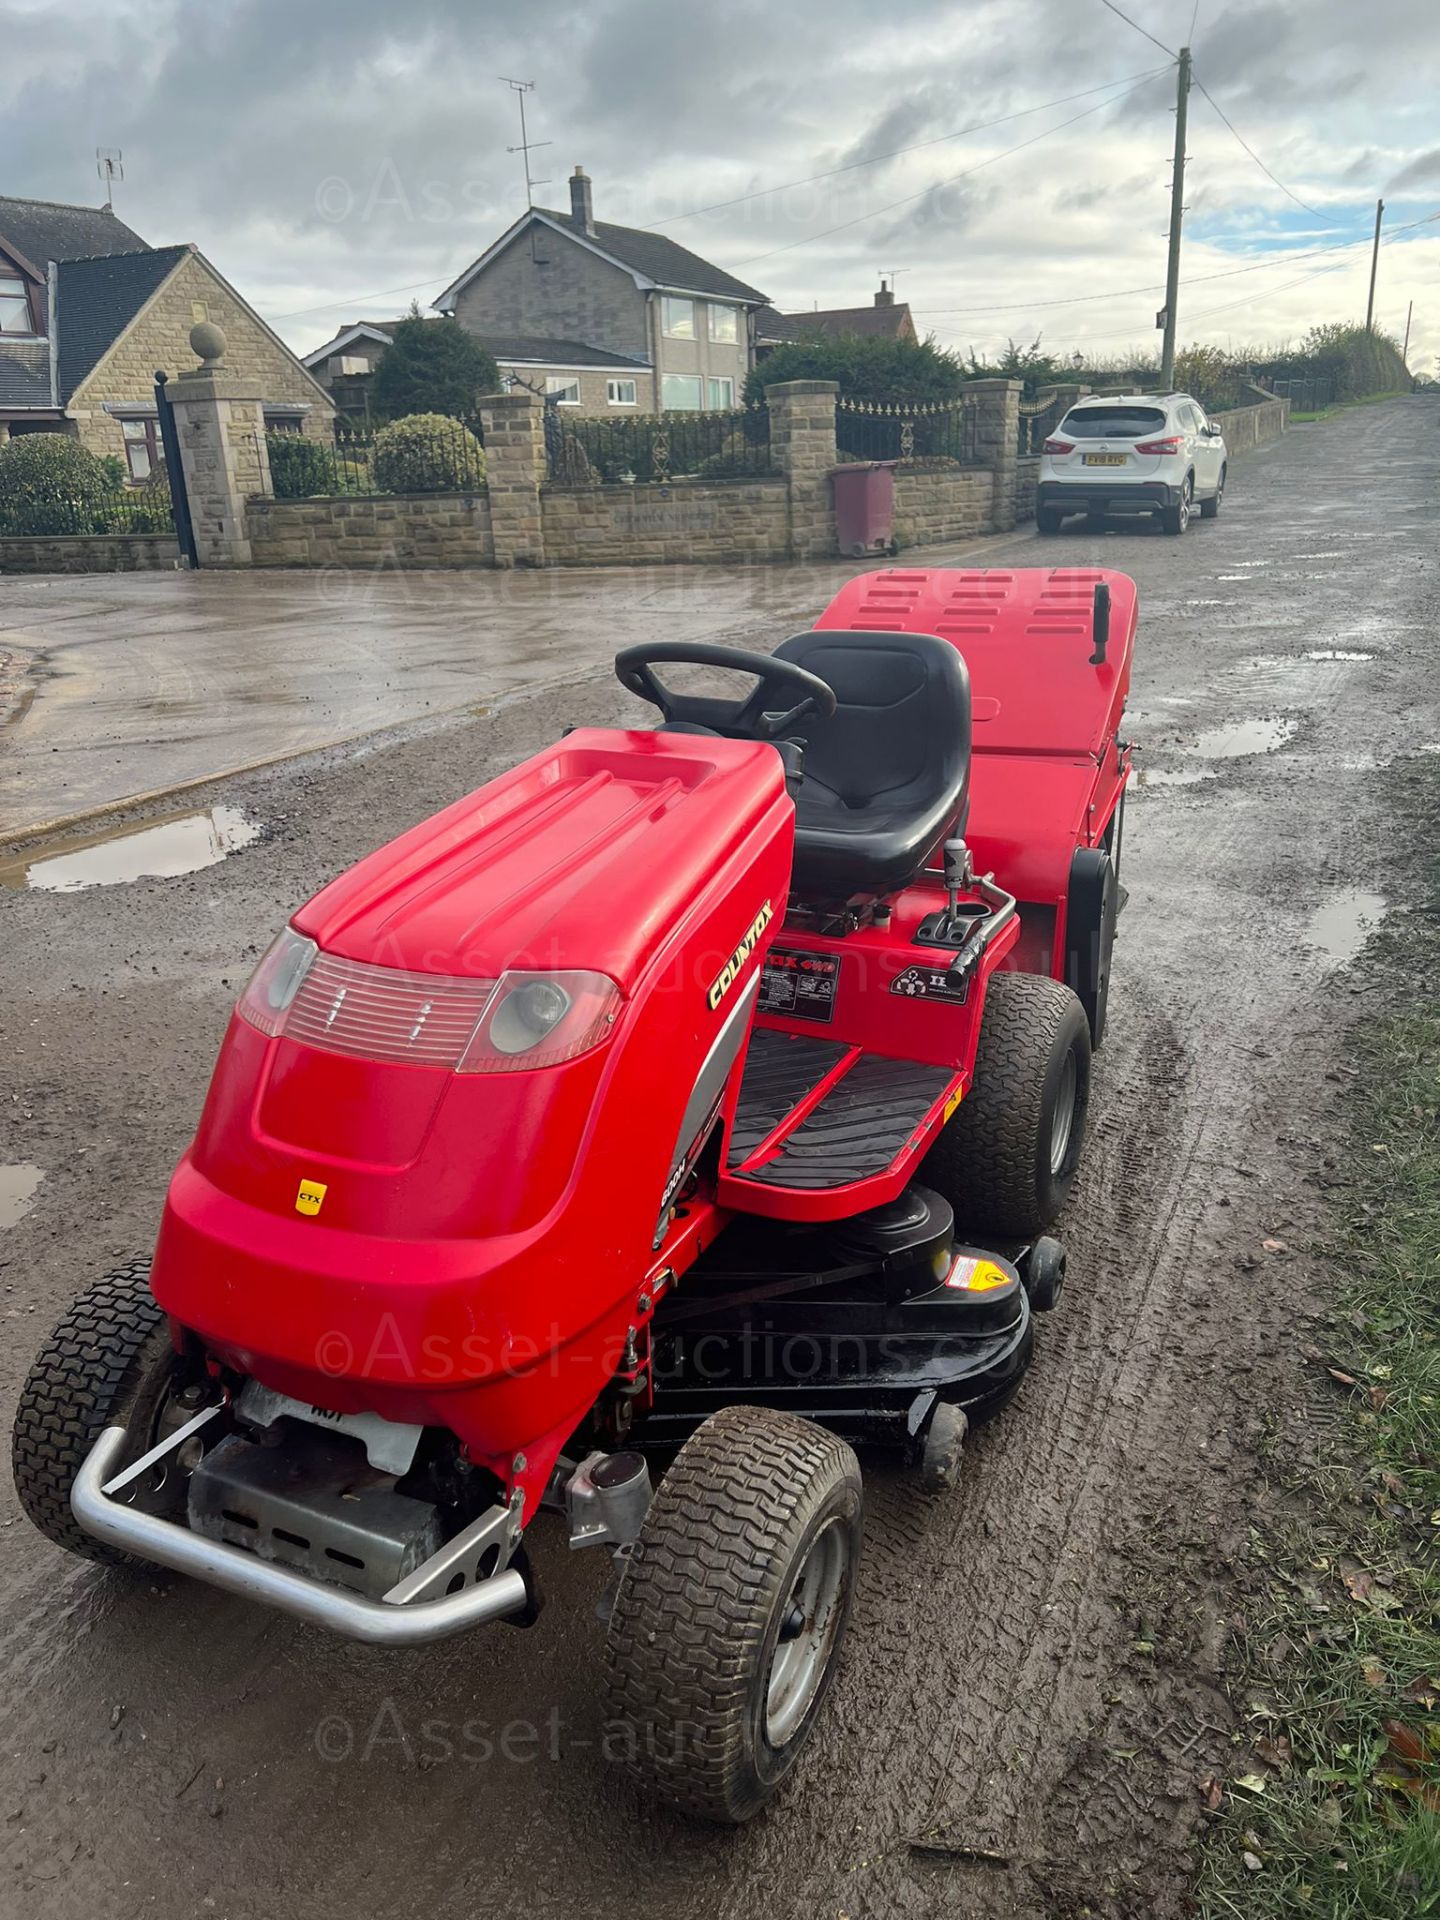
(14, 304)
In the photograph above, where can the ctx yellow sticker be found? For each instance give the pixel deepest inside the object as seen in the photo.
(952, 1103)
(977, 1276)
(311, 1197)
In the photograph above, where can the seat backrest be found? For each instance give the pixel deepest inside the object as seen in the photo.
(900, 734)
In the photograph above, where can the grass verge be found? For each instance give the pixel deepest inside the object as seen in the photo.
(1338, 1814)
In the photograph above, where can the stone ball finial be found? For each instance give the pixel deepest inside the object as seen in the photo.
(208, 342)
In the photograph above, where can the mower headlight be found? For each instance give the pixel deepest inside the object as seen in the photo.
(276, 981)
(540, 1019)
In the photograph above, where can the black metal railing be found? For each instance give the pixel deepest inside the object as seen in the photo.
(109, 509)
(656, 448)
(424, 454)
(903, 430)
(1038, 420)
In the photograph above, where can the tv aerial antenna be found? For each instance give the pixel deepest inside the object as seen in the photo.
(520, 88)
(110, 166)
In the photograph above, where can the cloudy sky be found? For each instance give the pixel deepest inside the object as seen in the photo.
(335, 160)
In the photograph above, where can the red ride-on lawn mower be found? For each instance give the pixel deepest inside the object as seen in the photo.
(630, 1104)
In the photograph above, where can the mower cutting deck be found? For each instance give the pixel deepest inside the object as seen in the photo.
(709, 1087)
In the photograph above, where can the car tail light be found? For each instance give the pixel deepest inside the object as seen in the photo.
(540, 1019)
(1059, 446)
(1171, 445)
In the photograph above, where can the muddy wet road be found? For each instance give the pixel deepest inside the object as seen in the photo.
(1031, 1668)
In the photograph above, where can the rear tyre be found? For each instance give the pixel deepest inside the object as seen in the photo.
(1047, 520)
(1007, 1159)
(1210, 509)
(108, 1363)
(1177, 518)
(731, 1612)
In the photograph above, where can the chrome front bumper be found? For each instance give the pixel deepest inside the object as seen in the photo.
(396, 1621)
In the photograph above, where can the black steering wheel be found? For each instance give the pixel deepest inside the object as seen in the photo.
(747, 719)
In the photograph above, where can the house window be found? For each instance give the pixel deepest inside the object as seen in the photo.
(282, 422)
(14, 304)
(721, 393)
(724, 324)
(142, 447)
(680, 392)
(620, 393)
(677, 318)
(563, 389)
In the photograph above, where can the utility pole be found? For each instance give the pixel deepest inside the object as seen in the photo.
(1177, 215)
(1374, 263)
(1405, 350)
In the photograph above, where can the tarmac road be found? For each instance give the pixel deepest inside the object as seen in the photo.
(1032, 1669)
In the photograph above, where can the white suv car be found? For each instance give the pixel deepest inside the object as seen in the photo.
(1136, 453)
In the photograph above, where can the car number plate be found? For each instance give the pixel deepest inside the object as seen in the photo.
(1104, 459)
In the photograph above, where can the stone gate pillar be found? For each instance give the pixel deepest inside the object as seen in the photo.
(220, 423)
(802, 439)
(997, 441)
(514, 425)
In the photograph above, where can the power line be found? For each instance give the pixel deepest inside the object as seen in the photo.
(356, 299)
(1255, 156)
(1314, 274)
(1139, 29)
(874, 159)
(964, 174)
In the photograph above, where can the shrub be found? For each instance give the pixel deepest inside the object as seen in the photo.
(49, 483)
(866, 369)
(736, 460)
(146, 509)
(428, 453)
(431, 366)
(300, 467)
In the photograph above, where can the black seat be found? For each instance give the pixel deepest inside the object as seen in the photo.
(887, 776)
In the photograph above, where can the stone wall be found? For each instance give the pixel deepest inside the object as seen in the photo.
(160, 337)
(718, 521)
(935, 504)
(374, 532)
(1249, 427)
(88, 553)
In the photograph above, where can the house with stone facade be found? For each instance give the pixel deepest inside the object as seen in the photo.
(89, 311)
(604, 318)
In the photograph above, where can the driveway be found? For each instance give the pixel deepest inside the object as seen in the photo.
(1035, 1665)
(123, 684)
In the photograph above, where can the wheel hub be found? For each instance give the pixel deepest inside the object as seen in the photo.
(809, 1633)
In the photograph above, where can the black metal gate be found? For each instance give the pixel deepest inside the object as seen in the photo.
(175, 469)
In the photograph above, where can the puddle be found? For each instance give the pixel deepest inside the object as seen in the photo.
(1171, 776)
(1342, 924)
(1336, 653)
(1204, 603)
(1244, 736)
(18, 1187)
(1232, 576)
(158, 851)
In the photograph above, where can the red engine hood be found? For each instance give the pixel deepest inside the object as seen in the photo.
(586, 856)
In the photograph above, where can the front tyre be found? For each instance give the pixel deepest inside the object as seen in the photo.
(1006, 1160)
(1210, 509)
(109, 1363)
(732, 1610)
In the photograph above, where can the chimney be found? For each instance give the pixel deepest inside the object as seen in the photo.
(884, 298)
(582, 212)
